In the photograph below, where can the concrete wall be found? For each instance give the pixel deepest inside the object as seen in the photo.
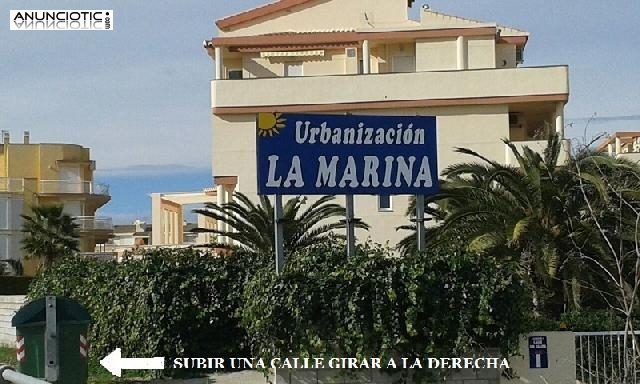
(312, 90)
(436, 54)
(506, 56)
(562, 361)
(481, 52)
(9, 305)
(40, 161)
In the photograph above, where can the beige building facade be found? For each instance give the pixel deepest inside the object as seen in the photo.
(622, 144)
(41, 174)
(368, 58)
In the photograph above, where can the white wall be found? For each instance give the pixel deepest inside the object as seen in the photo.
(9, 305)
(313, 90)
(561, 351)
(481, 52)
(436, 54)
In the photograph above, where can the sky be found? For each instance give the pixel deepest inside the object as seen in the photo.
(139, 96)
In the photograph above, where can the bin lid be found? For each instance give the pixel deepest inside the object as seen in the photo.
(67, 310)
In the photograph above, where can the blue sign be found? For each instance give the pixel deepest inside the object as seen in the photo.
(300, 154)
(538, 356)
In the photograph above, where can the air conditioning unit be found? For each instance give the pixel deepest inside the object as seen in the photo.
(351, 52)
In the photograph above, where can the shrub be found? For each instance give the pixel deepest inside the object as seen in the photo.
(169, 303)
(592, 321)
(439, 304)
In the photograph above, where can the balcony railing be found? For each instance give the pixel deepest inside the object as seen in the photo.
(65, 186)
(11, 185)
(103, 256)
(93, 223)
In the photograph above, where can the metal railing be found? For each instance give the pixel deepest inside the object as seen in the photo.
(11, 185)
(605, 358)
(8, 375)
(103, 256)
(66, 186)
(93, 223)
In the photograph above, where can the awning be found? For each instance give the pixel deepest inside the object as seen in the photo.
(319, 52)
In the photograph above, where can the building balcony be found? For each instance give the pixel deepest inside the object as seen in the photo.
(93, 223)
(55, 187)
(390, 90)
(537, 146)
(93, 230)
(11, 185)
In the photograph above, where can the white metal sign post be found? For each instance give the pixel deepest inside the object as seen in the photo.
(351, 231)
(420, 230)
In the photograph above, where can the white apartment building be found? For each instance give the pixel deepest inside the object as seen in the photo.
(366, 57)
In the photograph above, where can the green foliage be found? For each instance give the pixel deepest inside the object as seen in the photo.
(579, 321)
(375, 304)
(50, 234)
(542, 216)
(253, 225)
(8, 356)
(14, 285)
(169, 303)
(591, 321)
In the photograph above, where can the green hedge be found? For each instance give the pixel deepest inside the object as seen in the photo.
(169, 303)
(438, 304)
(181, 303)
(14, 285)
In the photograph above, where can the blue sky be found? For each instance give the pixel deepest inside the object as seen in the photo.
(133, 93)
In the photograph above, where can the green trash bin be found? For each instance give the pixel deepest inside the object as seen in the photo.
(51, 340)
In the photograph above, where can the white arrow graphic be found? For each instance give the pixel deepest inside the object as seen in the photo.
(114, 363)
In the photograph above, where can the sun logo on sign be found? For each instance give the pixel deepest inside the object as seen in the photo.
(270, 123)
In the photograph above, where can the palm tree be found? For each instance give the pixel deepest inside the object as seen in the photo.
(521, 214)
(50, 234)
(252, 226)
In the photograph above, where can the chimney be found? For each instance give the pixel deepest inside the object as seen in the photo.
(26, 137)
(5, 137)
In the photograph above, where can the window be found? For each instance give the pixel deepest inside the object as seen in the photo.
(384, 203)
(293, 69)
(519, 55)
(234, 74)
